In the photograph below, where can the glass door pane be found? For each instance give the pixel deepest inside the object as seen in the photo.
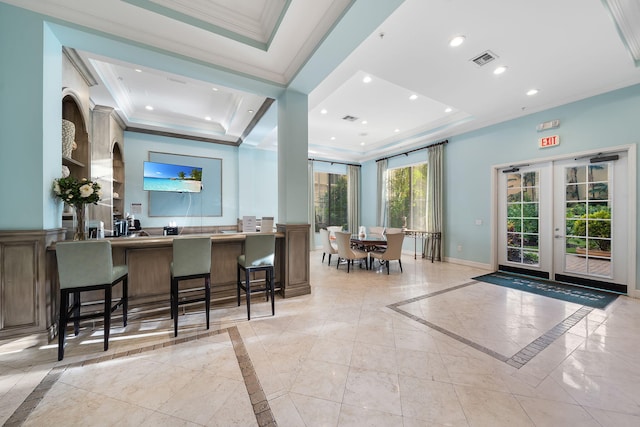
(523, 218)
(588, 213)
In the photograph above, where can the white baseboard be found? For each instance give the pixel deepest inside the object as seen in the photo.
(633, 293)
(468, 263)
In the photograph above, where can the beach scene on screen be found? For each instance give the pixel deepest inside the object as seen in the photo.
(170, 177)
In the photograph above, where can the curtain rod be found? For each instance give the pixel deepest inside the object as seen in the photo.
(334, 162)
(406, 153)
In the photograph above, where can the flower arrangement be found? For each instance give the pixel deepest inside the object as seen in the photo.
(77, 192)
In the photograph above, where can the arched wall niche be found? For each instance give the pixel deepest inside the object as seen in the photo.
(84, 110)
(79, 162)
(117, 162)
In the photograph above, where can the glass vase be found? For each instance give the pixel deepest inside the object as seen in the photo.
(80, 230)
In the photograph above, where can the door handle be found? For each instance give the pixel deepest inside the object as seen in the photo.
(557, 236)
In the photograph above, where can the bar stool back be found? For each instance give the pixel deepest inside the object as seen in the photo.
(191, 260)
(88, 266)
(259, 255)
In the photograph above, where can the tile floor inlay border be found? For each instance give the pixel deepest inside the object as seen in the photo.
(261, 408)
(519, 359)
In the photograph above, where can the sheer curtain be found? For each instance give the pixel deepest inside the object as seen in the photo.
(435, 172)
(311, 204)
(353, 198)
(381, 206)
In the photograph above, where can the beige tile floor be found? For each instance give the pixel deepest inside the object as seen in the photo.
(421, 348)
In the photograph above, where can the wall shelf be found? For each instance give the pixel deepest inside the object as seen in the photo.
(69, 161)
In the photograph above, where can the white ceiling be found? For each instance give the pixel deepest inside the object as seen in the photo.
(567, 49)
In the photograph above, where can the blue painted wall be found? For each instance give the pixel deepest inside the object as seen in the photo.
(249, 178)
(607, 120)
(257, 172)
(30, 117)
(30, 134)
(136, 151)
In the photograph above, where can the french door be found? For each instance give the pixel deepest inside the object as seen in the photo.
(565, 220)
(525, 220)
(590, 219)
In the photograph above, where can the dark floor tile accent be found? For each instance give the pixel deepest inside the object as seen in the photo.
(262, 410)
(261, 407)
(20, 415)
(519, 359)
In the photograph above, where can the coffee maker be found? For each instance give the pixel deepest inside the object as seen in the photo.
(96, 229)
(120, 227)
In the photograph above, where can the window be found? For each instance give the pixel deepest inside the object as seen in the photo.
(330, 202)
(407, 197)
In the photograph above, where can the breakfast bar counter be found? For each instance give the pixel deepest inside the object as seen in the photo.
(149, 260)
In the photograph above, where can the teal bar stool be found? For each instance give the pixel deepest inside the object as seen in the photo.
(88, 266)
(191, 260)
(259, 255)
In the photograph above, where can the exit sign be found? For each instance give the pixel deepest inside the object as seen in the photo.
(549, 141)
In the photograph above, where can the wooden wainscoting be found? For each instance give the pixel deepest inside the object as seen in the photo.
(26, 295)
(296, 266)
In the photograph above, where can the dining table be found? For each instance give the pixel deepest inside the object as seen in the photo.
(368, 243)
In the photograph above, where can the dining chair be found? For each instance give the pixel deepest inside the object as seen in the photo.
(191, 260)
(346, 252)
(85, 266)
(392, 230)
(332, 231)
(376, 231)
(328, 247)
(259, 255)
(393, 251)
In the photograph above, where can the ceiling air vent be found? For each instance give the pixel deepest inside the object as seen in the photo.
(350, 118)
(484, 58)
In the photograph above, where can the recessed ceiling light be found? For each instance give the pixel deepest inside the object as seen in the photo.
(138, 70)
(250, 111)
(499, 70)
(364, 122)
(323, 111)
(413, 97)
(456, 41)
(208, 118)
(448, 110)
(367, 79)
(149, 107)
(362, 143)
(396, 130)
(215, 89)
(532, 92)
(333, 138)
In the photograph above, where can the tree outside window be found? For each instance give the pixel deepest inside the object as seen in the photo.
(407, 197)
(330, 202)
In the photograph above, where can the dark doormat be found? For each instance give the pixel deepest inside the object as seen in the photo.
(561, 291)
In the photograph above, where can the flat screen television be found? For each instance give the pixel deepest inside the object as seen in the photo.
(170, 177)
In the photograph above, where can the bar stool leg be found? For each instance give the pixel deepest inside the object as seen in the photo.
(174, 305)
(76, 313)
(273, 298)
(248, 293)
(62, 326)
(125, 297)
(207, 294)
(107, 315)
(238, 285)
